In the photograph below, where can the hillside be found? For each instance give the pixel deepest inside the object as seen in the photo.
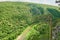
(17, 17)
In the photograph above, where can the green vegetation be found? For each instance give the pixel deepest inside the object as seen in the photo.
(15, 17)
(39, 32)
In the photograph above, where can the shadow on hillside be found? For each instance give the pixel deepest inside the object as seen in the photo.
(54, 12)
(36, 10)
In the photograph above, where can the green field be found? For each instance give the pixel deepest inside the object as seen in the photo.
(15, 17)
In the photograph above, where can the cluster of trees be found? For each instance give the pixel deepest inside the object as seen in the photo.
(54, 12)
(40, 32)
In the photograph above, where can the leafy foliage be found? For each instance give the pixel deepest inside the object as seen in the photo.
(16, 17)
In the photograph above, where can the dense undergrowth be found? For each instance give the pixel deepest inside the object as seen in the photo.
(15, 17)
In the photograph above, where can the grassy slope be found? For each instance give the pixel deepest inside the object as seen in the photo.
(15, 17)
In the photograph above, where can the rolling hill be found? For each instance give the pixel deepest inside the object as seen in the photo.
(15, 17)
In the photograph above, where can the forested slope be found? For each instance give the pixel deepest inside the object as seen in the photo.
(15, 17)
